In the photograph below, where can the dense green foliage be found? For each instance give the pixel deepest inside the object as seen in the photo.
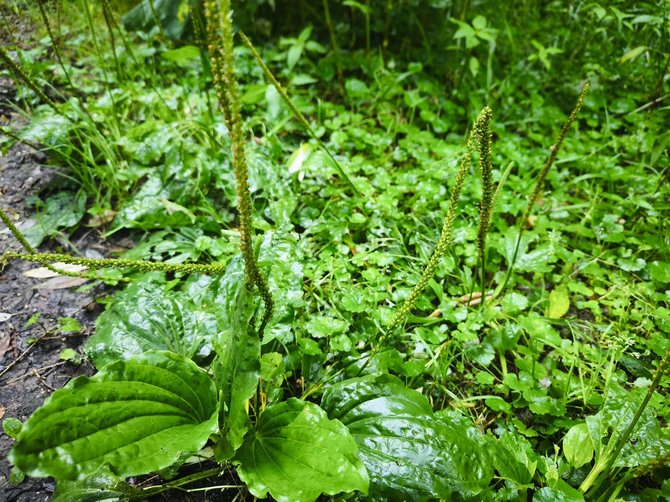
(454, 315)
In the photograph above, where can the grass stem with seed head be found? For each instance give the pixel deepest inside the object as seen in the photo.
(225, 83)
(482, 131)
(553, 153)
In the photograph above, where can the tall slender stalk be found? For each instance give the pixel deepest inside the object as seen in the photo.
(200, 37)
(96, 45)
(111, 19)
(333, 41)
(483, 133)
(225, 83)
(442, 244)
(553, 153)
(157, 20)
(107, 15)
(20, 74)
(5, 257)
(54, 44)
(301, 118)
(45, 259)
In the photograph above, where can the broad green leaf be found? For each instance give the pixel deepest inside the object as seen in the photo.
(293, 56)
(238, 348)
(514, 459)
(141, 17)
(648, 442)
(356, 89)
(58, 212)
(633, 53)
(297, 453)
(562, 492)
(134, 416)
(514, 302)
(410, 452)
(183, 56)
(146, 317)
(577, 446)
(659, 271)
(12, 427)
(282, 262)
(99, 487)
(146, 208)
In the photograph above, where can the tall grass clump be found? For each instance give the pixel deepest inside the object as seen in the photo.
(297, 113)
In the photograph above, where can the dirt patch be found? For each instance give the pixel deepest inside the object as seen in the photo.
(31, 366)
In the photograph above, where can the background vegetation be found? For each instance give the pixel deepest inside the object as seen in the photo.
(542, 347)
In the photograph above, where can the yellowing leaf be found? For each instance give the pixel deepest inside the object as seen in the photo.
(45, 273)
(633, 53)
(559, 303)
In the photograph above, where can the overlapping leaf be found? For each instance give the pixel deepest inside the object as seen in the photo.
(146, 317)
(297, 453)
(135, 417)
(410, 452)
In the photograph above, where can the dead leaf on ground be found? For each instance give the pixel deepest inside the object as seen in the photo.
(101, 218)
(474, 299)
(2, 411)
(61, 282)
(5, 343)
(5, 316)
(45, 273)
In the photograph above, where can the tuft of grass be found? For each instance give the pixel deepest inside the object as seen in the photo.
(296, 113)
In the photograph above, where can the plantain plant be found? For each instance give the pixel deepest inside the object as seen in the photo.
(183, 377)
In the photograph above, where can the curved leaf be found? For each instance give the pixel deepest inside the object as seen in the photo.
(238, 348)
(410, 452)
(145, 317)
(297, 453)
(99, 487)
(134, 416)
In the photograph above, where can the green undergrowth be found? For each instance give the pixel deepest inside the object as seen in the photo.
(429, 290)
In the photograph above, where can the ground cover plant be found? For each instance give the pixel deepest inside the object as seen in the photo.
(410, 250)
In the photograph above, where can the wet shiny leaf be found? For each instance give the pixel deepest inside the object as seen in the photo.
(410, 452)
(145, 317)
(297, 453)
(135, 417)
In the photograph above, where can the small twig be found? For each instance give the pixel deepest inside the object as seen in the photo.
(35, 370)
(42, 380)
(653, 102)
(21, 356)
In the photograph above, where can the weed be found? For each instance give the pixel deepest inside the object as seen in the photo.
(550, 388)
